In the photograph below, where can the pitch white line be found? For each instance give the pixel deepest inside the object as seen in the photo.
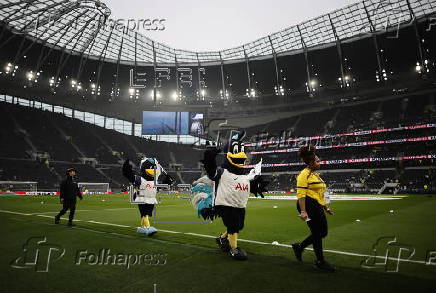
(55, 212)
(15, 213)
(109, 224)
(168, 231)
(199, 235)
(51, 217)
(242, 240)
(117, 209)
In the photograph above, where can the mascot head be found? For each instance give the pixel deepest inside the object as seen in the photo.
(235, 150)
(148, 168)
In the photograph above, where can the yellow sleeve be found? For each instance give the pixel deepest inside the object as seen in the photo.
(302, 185)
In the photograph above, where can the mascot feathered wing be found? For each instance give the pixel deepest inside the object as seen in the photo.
(145, 189)
(233, 185)
(202, 197)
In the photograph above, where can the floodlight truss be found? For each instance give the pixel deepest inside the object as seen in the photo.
(56, 22)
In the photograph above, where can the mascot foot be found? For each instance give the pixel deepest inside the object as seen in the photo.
(151, 231)
(238, 254)
(223, 243)
(147, 231)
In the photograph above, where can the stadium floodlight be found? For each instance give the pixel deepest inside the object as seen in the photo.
(115, 92)
(418, 67)
(347, 80)
(8, 67)
(95, 89)
(225, 95)
(385, 76)
(73, 83)
(311, 85)
(250, 93)
(157, 94)
(133, 93)
(279, 90)
(30, 75)
(175, 96)
(382, 76)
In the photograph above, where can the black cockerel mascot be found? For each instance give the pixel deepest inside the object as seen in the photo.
(145, 189)
(233, 184)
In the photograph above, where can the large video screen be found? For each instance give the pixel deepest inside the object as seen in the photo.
(172, 123)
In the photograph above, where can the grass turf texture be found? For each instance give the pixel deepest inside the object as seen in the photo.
(194, 264)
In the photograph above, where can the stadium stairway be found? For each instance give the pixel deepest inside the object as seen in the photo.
(294, 126)
(331, 125)
(173, 160)
(54, 172)
(67, 138)
(133, 147)
(104, 143)
(110, 179)
(26, 136)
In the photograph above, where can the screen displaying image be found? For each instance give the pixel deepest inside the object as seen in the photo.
(172, 123)
(197, 124)
(165, 123)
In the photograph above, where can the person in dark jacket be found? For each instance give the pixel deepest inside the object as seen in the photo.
(69, 190)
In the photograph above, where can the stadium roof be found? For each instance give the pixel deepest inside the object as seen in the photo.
(84, 27)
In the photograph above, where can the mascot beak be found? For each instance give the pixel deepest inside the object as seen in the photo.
(150, 172)
(237, 159)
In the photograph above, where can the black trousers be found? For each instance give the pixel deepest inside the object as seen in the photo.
(68, 205)
(233, 218)
(146, 209)
(317, 226)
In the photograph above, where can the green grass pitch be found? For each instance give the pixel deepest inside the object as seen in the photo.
(193, 261)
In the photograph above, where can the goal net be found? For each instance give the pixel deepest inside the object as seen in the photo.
(90, 187)
(18, 186)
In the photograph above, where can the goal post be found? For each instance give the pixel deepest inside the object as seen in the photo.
(94, 187)
(18, 186)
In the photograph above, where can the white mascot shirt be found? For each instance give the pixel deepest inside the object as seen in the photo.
(233, 190)
(147, 192)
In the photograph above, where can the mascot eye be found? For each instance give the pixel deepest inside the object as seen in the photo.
(235, 149)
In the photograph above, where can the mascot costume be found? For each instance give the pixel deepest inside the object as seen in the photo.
(233, 183)
(145, 190)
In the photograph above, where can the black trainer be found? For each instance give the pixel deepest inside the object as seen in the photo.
(325, 266)
(223, 243)
(56, 220)
(238, 254)
(298, 251)
(71, 224)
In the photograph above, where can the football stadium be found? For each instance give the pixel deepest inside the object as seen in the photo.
(301, 161)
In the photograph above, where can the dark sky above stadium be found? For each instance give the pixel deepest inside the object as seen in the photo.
(212, 25)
